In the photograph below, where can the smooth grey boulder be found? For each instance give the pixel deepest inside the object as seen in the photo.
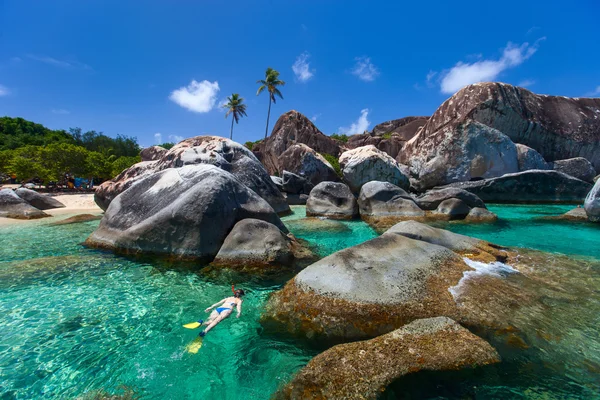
(432, 199)
(366, 164)
(384, 199)
(534, 186)
(107, 191)
(530, 159)
(481, 215)
(12, 206)
(182, 213)
(254, 242)
(452, 209)
(332, 200)
(592, 203)
(152, 153)
(39, 201)
(304, 161)
(363, 370)
(578, 167)
(295, 184)
(278, 182)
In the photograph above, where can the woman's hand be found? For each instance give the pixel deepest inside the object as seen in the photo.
(207, 310)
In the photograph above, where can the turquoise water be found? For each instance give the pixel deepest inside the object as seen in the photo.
(77, 321)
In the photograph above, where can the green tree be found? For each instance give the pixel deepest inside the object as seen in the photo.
(270, 83)
(122, 163)
(60, 159)
(26, 165)
(236, 107)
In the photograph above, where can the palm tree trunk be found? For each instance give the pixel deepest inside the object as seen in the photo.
(231, 132)
(268, 115)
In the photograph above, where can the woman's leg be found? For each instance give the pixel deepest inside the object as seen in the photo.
(215, 321)
(213, 315)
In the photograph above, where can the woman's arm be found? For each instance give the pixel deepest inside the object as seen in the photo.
(214, 305)
(239, 309)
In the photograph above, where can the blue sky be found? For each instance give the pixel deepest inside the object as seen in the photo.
(145, 67)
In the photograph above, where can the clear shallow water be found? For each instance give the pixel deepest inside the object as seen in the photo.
(77, 320)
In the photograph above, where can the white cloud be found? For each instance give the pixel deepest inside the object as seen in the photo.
(4, 91)
(175, 138)
(315, 117)
(198, 97)
(430, 76)
(463, 74)
(365, 69)
(526, 83)
(60, 111)
(302, 69)
(360, 126)
(59, 63)
(158, 138)
(595, 92)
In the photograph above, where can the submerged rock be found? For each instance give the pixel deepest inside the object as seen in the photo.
(592, 203)
(363, 370)
(366, 164)
(533, 186)
(172, 213)
(13, 206)
(332, 200)
(578, 167)
(39, 201)
(77, 219)
(576, 214)
(304, 161)
(530, 159)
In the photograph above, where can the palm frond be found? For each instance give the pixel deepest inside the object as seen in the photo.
(260, 89)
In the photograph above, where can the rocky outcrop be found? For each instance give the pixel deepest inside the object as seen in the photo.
(481, 215)
(382, 203)
(452, 209)
(530, 159)
(332, 200)
(433, 198)
(255, 243)
(304, 161)
(533, 186)
(578, 167)
(405, 127)
(391, 145)
(213, 150)
(172, 213)
(557, 127)
(592, 203)
(577, 214)
(366, 164)
(363, 370)
(39, 201)
(153, 153)
(459, 152)
(295, 184)
(292, 128)
(13, 206)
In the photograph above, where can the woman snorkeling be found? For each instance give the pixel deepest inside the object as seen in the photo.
(225, 309)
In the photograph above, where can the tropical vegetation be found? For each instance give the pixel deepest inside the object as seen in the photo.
(236, 107)
(270, 84)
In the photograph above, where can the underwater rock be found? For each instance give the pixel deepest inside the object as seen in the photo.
(534, 186)
(39, 201)
(432, 198)
(152, 153)
(478, 214)
(77, 219)
(13, 206)
(530, 159)
(592, 203)
(363, 370)
(578, 167)
(332, 200)
(366, 164)
(304, 161)
(172, 213)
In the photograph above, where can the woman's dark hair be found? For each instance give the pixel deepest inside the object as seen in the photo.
(240, 293)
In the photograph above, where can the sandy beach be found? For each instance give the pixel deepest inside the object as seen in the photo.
(76, 203)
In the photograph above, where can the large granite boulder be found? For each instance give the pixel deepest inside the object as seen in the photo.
(366, 164)
(478, 214)
(12, 206)
(391, 145)
(459, 152)
(405, 127)
(295, 184)
(293, 128)
(382, 203)
(304, 161)
(332, 200)
(452, 209)
(182, 213)
(363, 370)
(432, 199)
(578, 167)
(39, 201)
(255, 243)
(278, 182)
(530, 159)
(592, 203)
(557, 127)
(153, 153)
(533, 186)
(214, 150)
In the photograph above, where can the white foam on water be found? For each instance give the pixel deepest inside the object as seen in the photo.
(496, 269)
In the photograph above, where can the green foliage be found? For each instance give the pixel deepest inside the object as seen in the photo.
(342, 138)
(236, 107)
(335, 163)
(122, 163)
(250, 145)
(387, 135)
(18, 132)
(167, 145)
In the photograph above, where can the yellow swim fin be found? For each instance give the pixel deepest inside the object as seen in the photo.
(193, 325)
(194, 346)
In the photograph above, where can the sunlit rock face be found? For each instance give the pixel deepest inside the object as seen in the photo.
(592, 203)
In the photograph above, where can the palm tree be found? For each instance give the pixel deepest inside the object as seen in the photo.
(270, 83)
(236, 108)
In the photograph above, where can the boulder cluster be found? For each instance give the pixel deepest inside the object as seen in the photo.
(26, 204)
